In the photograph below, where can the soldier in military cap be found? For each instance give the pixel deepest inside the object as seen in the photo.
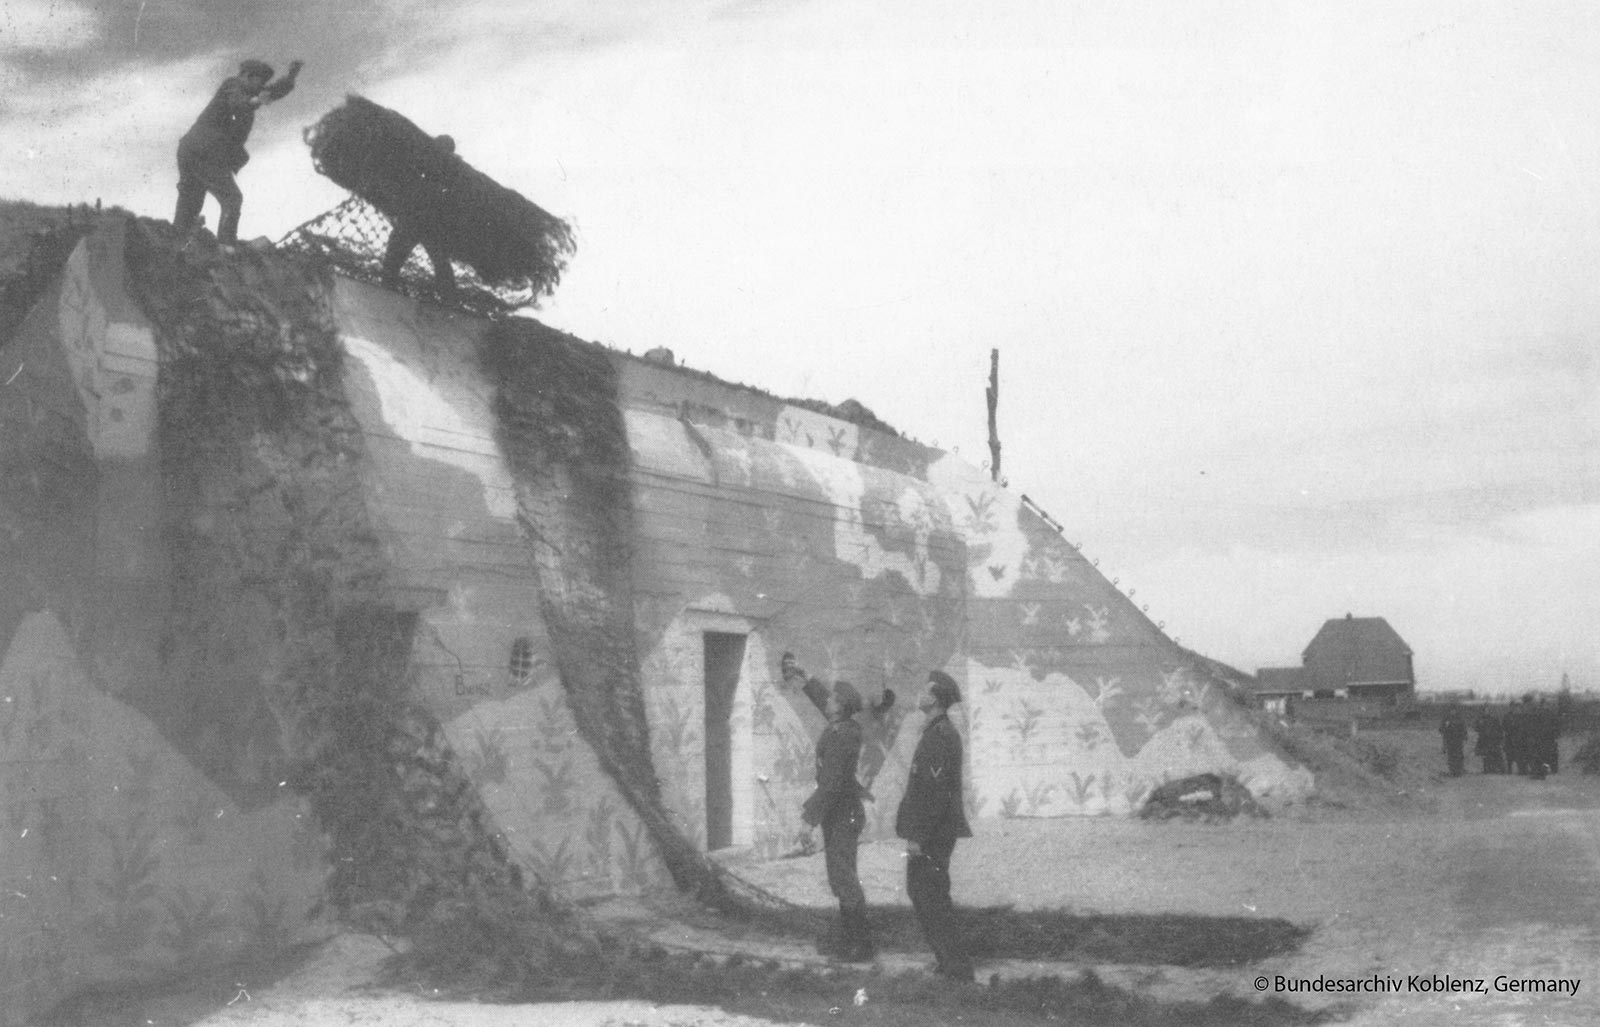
(932, 816)
(212, 151)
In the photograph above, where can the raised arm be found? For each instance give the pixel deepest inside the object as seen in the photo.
(282, 86)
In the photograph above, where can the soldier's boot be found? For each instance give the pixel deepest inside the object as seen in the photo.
(856, 936)
(831, 941)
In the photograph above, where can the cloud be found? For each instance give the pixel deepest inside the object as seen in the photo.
(32, 25)
(61, 43)
(67, 150)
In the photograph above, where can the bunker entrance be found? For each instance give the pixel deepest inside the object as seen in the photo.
(724, 655)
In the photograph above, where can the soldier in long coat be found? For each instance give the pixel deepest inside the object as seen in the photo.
(1454, 730)
(932, 816)
(1488, 746)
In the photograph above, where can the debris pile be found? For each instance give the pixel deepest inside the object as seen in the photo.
(1206, 797)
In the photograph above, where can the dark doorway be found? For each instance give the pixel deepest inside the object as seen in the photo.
(724, 657)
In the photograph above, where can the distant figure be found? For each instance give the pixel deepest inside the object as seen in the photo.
(1454, 730)
(212, 151)
(409, 233)
(1488, 747)
(837, 807)
(932, 816)
(1514, 727)
(1544, 732)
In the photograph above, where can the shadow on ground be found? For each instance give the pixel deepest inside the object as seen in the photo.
(1000, 932)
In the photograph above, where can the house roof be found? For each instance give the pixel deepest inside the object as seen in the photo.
(1359, 651)
(1282, 681)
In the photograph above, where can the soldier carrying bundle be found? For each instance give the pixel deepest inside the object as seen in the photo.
(411, 231)
(435, 198)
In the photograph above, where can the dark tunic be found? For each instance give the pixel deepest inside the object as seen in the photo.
(933, 808)
(933, 814)
(212, 151)
(219, 133)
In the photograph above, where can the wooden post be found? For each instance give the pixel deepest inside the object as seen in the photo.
(992, 393)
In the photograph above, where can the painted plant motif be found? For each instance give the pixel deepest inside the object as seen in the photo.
(191, 923)
(552, 867)
(1098, 623)
(560, 782)
(555, 724)
(269, 927)
(1105, 690)
(1038, 796)
(1080, 788)
(1022, 724)
(597, 835)
(128, 889)
(489, 764)
(980, 518)
(1090, 735)
(637, 865)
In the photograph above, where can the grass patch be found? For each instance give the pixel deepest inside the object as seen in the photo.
(1001, 932)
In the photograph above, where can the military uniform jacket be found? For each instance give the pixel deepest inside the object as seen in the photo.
(219, 133)
(933, 806)
(838, 793)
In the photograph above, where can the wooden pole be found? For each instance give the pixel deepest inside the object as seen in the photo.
(992, 394)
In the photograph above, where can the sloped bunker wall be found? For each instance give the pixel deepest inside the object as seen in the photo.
(147, 831)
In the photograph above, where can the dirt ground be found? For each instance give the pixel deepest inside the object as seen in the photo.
(1489, 877)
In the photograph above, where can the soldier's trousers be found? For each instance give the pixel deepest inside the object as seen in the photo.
(928, 885)
(198, 175)
(840, 838)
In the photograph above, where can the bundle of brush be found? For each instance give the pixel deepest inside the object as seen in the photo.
(383, 157)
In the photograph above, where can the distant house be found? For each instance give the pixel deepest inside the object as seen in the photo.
(1350, 658)
(1277, 687)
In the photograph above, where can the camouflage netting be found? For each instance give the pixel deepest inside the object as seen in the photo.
(260, 459)
(561, 429)
(384, 158)
(351, 238)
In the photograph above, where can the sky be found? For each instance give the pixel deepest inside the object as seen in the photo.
(1295, 302)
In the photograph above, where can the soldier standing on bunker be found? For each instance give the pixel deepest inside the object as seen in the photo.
(836, 806)
(212, 151)
(410, 232)
(931, 817)
(1454, 730)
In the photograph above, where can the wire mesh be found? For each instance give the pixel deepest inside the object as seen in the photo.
(352, 237)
